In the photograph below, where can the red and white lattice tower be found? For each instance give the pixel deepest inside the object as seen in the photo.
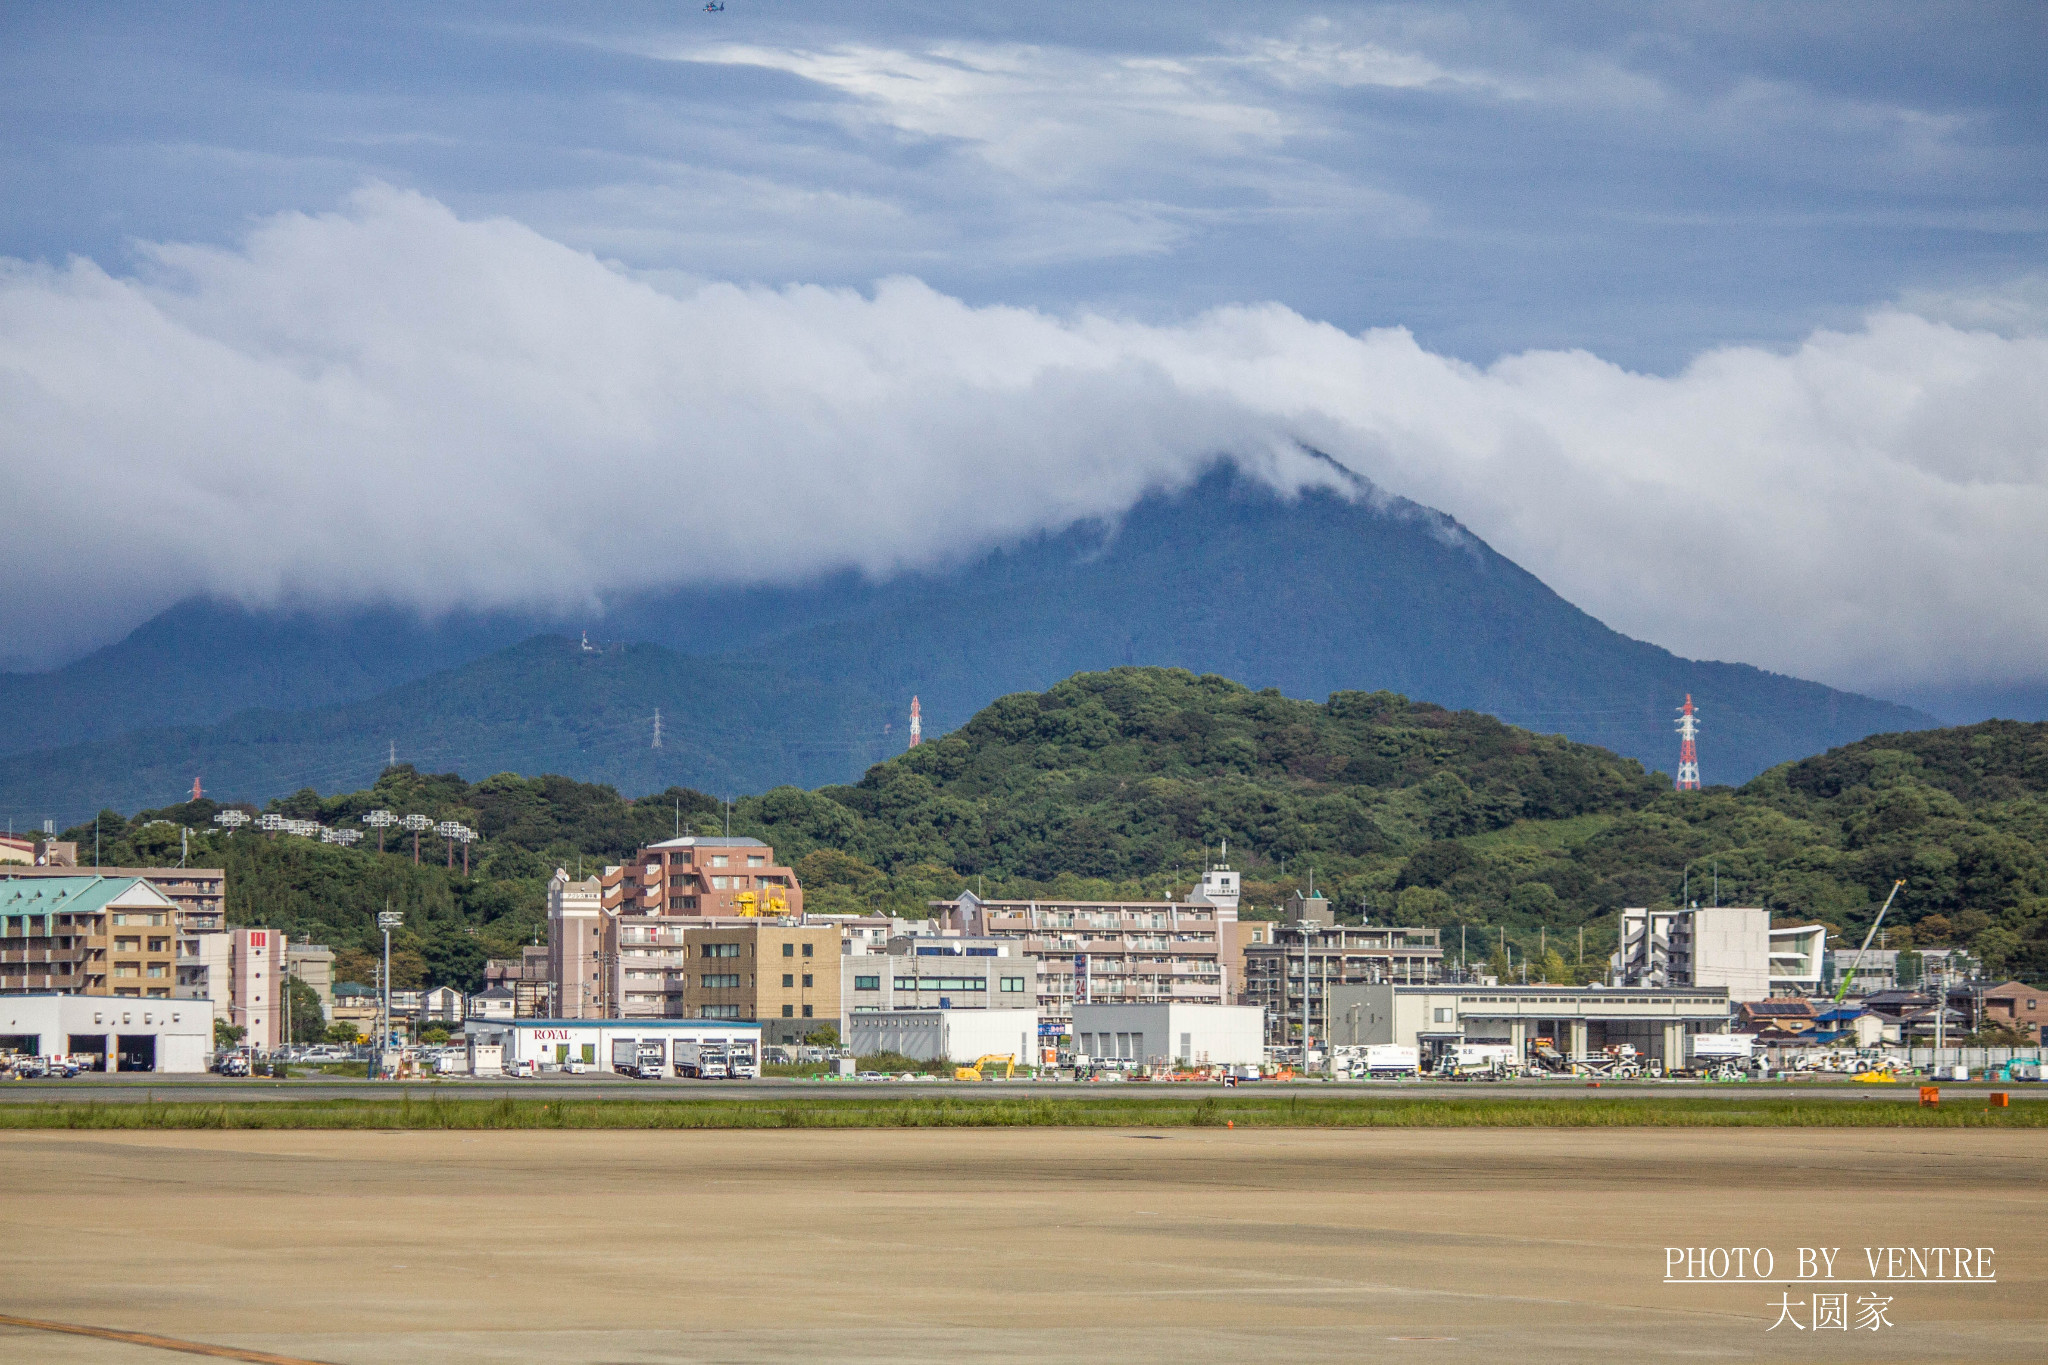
(1688, 748)
(197, 790)
(916, 725)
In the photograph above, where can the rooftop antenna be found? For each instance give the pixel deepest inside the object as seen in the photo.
(657, 727)
(679, 810)
(916, 724)
(1688, 751)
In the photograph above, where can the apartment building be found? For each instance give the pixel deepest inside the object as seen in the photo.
(1311, 955)
(703, 875)
(200, 893)
(87, 935)
(576, 978)
(930, 972)
(524, 979)
(784, 973)
(1107, 951)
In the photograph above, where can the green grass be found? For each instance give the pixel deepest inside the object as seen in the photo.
(1004, 1112)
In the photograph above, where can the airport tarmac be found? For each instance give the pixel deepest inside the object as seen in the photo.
(1187, 1245)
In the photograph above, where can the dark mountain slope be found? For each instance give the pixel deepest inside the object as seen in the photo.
(1310, 595)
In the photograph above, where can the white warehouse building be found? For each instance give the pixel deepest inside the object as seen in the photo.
(1157, 1035)
(108, 1033)
(589, 1042)
(961, 1035)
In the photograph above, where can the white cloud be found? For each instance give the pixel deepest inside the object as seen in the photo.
(393, 404)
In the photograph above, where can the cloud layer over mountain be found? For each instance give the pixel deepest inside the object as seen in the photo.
(391, 403)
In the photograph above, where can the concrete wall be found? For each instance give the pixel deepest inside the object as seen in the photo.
(1731, 946)
(1226, 1034)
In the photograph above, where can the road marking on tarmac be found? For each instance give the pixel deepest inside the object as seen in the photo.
(196, 1348)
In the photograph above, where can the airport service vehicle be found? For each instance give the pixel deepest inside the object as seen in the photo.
(1619, 1062)
(1721, 1056)
(701, 1061)
(742, 1061)
(1479, 1062)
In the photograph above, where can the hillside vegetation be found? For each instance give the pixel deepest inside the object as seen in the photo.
(1125, 782)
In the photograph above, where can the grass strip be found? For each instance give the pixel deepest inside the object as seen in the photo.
(1033, 1112)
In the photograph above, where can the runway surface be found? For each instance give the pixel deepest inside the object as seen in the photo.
(1185, 1246)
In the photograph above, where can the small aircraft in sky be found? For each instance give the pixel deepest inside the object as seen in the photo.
(715, 7)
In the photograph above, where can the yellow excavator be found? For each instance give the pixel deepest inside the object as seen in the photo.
(973, 1073)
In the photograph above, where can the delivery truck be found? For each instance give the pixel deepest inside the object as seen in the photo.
(640, 1058)
(701, 1061)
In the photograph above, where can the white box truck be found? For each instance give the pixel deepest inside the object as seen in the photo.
(701, 1061)
(742, 1061)
(638, 1057)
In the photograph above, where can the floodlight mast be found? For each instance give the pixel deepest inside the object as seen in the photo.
(464, 836)
(387, 920)
(417, 823)
(446, 829)
(380, 820)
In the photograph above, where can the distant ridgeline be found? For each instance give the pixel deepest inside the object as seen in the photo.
(1126, 782)
(810, 684)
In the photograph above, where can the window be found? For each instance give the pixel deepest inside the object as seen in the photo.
(807, 1011)
(808, 947)
(807, 983)
(788, 979)
(721, 883)
(1013, 983)
(159, 969)
(719, 1012)
(867, 983)
(128, 943)
(755, 861)
(789, 950)
(1443, 1016)
(719, 981)
(788, 1011)
(721, 950)
(125, 969)
(159, 945)
(718, 860)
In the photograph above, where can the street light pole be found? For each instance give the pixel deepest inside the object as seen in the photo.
(387, 920)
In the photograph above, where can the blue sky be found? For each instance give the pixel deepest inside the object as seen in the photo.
(1729, 321)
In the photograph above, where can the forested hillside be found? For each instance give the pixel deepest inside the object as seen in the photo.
(1124, 782)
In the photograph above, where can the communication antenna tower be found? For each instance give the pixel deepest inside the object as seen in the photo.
(916, 725)
(394, 755)
(657, 727)
(197, 791)
(1688, 749)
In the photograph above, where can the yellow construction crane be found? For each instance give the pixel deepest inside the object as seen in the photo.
(973, 1073)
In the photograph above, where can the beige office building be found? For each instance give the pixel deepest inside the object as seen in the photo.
(783, 973)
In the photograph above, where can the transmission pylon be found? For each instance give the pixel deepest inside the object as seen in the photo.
(1688, 748)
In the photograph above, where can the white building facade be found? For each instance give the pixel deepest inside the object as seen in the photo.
(1173, 1034)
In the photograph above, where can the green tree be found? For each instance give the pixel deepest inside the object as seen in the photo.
(343, 1032)
(828, 1036)
(226, 1035)
(436, 1034)
(1551, 969)
(309, 1023)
